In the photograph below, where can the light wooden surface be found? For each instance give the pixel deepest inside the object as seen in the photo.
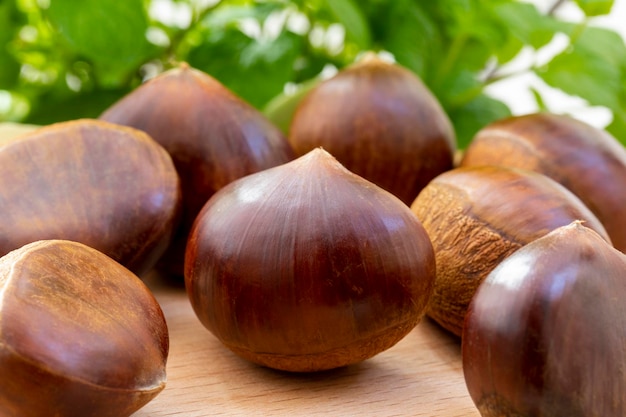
(420, 376)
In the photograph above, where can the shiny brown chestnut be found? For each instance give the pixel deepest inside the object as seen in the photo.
(545, 334)
(381, 122)
(476, 217)
(307, 266)
(80, 335)
(213, 136)
(110, 187)
(588, 161)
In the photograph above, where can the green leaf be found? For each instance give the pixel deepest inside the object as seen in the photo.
(603, 43)
(52, 108)
(618, 126)
(593, 68)
(350, 16)
(541, 104)
(9, 66)
(509, 50)
(475, 115)
(526, 23)
(595, 7)
(584, 76)
(255, 69)
(229, 14)
(411, 36)
(461, 87)
(280, 109)
(110, 33)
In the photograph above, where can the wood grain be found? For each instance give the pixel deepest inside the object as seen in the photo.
(420, 376)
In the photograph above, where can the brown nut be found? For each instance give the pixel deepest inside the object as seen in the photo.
(476, 217)
(381, 122)
(588, 161)
(80, 335)
(110, 187)
(545, 334)
(307, 266)
(213, 136)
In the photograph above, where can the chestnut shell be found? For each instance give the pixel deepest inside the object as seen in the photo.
(588, 161)
(307, 266)
(381, 122)
(213, 137)
(80, 335)
(477, 216)
(545, 334)
(110, 187)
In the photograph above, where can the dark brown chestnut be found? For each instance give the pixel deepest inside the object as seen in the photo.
(588, 161)
(80, 335)
(476, 217)
(545, 334)
(110, 187)
(213, 136)
(381, 122)
(307, 266)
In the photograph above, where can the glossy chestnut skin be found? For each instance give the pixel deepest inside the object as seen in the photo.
(213, 136)
(381, 122)
(307, 266)
(476, 217)
(110, 187)
(588, 161)
(80, 335)
(545, 334)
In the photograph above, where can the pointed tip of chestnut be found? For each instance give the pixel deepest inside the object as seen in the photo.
(372, 58)
(320, 156)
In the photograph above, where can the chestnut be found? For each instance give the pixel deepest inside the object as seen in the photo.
(477, 216)
(110, 187)
(213, 137)
(545, 334)
(307, 266)
(588, 161)
(80, 335)
(381, 122)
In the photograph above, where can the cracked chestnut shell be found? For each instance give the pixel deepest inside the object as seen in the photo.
(381, 122)
(80, 335)
(477, 216)
(588, 161)
(307, 266)
(545, 334)
(110, 187)
(213, 137)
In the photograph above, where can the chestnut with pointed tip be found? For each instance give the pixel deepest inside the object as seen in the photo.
(588, 161)
(307, 266)
(476, 217)
(213, 136)
(110, 187)
(80, 335)
(381, 122)
(545, 334)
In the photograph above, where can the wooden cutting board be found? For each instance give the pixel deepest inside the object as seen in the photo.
(420, 376)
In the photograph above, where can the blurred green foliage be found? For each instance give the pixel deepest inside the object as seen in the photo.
(63, 59)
